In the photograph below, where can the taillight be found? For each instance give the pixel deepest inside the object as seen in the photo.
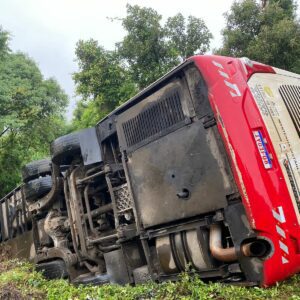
(251, 67)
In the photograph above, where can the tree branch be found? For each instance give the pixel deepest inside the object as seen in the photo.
(5, 130)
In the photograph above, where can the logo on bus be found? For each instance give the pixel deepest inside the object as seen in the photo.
(260, 144)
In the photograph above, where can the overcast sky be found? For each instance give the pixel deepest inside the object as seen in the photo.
(47, 30)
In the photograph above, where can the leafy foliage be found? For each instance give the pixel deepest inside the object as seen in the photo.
(270, 35)
(18, 280)
(144, 47)
(4, 37)
(31, 113)
(187, 37)
(149, 49)
(242, 27)
(102, 81)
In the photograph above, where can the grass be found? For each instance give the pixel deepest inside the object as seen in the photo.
(19, 280)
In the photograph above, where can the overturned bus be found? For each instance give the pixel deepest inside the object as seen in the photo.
(198, 172)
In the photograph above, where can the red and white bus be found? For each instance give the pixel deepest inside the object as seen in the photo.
(200, 170)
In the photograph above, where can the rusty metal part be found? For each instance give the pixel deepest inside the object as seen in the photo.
(99, 211)
(47, 200)
(50, 253)
(35, 234)
(124, 201)
(113, 199)
(44, 237)
(134, 204)
(25, 212)
(14, 216)
(78, 224)
(55, 227)
(102, 239)
(92, 170)
(91, 268)
(216, 247)
(70, 219)
(108, 248)
(90, 214)
(257, 248)
(76, 208)
(80, 181)
(164, 253)
(88, 209)
(177, 251)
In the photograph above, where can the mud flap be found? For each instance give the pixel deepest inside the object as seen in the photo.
(55, 269)
(116, 267)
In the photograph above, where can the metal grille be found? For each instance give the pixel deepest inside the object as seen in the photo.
(157, 117)
(123, 199)
(292, 182)
(291, 97)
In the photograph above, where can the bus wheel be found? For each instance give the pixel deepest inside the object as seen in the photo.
(35, 169)
(37, 188)
(65, 148)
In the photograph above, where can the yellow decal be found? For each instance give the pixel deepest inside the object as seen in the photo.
(268, 91)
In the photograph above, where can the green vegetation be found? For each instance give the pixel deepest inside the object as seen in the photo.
(31, 110)
(269, 34)
(18, 280)
(149, 49)
(103, 83)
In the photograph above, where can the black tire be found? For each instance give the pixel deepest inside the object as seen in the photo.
(65, 148)
(37, 188)
(36, 168)
(55, 269)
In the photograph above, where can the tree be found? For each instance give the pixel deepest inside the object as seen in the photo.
(4, 37)
(144, 47)
(87, 113)
(285, 53)
(289, 7)
(269, 33)
(31, 114)
(103, 82)
(188, 37)
(242, 26)
(151, 49)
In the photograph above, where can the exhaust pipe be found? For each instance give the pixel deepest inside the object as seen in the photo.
(216, 248)
(257, 248)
